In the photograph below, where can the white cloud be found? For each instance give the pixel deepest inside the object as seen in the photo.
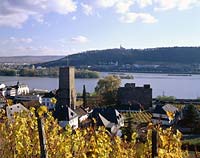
(15, 13)
(144, 3)
(147, 18)
(123, 6)
(79, 39)
(175, 4)
(60, 6)
(132, 17)
(14, 20)
(87, 9)
(106, 3)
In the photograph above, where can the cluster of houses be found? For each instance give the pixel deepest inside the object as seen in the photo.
(66, 111)
(11, 91)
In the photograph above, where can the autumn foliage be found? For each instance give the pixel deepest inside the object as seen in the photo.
(19, 139)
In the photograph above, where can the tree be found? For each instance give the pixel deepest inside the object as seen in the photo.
(166, 98)
(191, 116)
(84, 97)
(107, 88)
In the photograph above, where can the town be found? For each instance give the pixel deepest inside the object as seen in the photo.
(99, 79)
(130, 110)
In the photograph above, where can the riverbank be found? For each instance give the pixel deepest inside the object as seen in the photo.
(47, 72)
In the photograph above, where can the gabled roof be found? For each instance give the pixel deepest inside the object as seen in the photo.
(159, 110)
(105, 122)
(64, 113)
(170, 108)
(105, 116)
(49, 95)
(163, 109)
(80, 111)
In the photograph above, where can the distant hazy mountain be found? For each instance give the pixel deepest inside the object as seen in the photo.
(28, 59)
(171, 55)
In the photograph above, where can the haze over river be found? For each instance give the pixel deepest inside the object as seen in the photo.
(187, 87)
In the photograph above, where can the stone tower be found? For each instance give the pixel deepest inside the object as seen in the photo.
(66, 92)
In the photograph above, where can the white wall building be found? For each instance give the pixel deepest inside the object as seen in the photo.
(46, 100)
(19, 89)
(2, 86)
(72, 119)
(10, 91)
(10, 110)
(159, 115)
(22, 89)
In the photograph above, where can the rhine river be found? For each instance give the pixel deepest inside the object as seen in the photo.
(187, 87)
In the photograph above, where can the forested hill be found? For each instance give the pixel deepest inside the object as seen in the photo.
(179, 55)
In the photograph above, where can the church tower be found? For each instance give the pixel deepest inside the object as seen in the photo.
(66, 92)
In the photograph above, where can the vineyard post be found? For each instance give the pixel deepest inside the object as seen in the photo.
(42, 138)
(154, 144)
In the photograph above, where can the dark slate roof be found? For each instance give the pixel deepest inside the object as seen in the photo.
(159, 110)
(107, 113)
(49, 95)
(11, 87)
(64, 113)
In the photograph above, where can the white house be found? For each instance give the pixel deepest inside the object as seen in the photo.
(22, 89)
(18, 89)
(108, 117)
(82, 114)
(71, 119)
(160, 115)
(11, 91)
(10, 110)
(2, 86)
(46, 100)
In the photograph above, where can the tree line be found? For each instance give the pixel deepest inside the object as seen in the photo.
(48, 72)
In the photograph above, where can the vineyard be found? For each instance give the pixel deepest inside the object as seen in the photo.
(19, 139)
(138, 117)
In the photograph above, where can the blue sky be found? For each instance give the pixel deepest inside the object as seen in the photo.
(63, 27)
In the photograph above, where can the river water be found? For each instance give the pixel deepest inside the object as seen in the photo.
(187, 87)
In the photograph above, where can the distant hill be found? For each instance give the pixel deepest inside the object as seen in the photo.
(168, 55)
(28, 59)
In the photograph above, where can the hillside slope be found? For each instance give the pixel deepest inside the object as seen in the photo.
(178, 55)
